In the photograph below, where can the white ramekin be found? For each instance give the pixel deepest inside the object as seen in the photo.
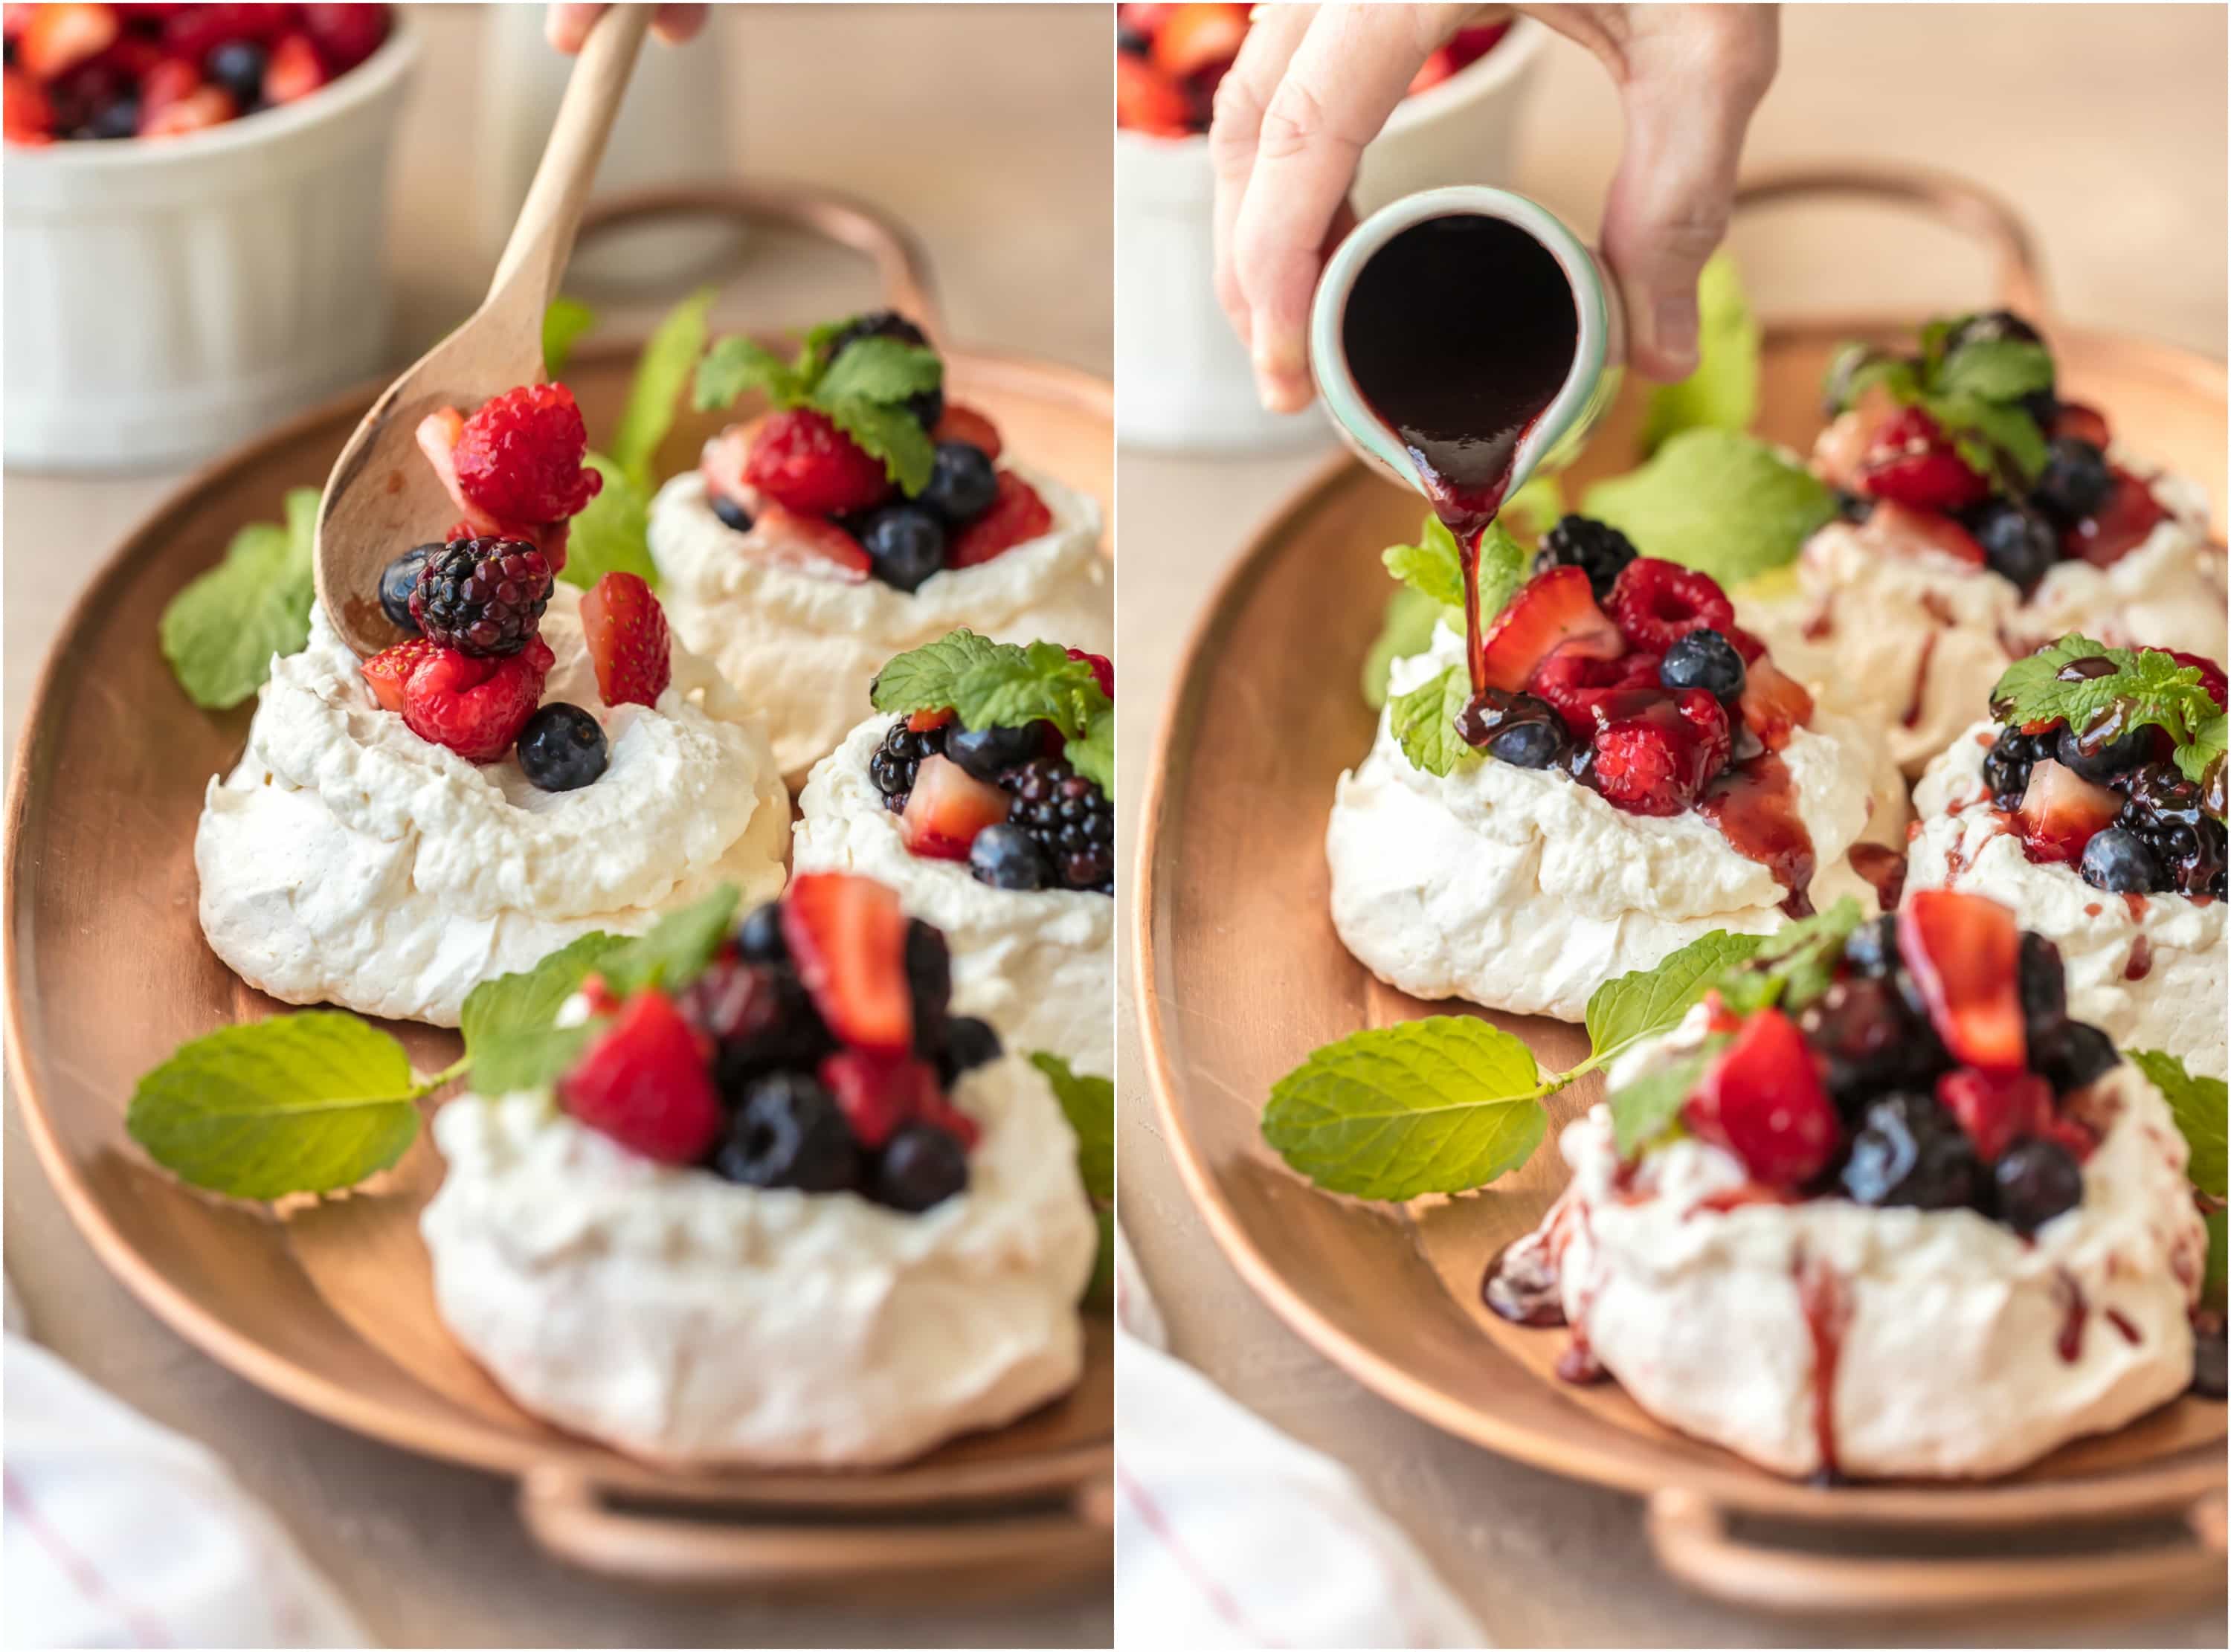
(166, 301)
(1182, 380)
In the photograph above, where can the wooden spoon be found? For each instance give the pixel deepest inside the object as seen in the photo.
(382, 497)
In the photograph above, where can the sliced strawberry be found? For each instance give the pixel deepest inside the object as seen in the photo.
(967, 425)
(60, 37)
(1745, 644)
(1762, 1100)
(1961, 952)
(26, 112)
(1103, 669)
(476, 707)
(199, 110)
(438, 435)
(922, 722)
(645, 1080)
(1149, 100)
(810, 544)
(1843, 447)
(1556, 609)
(803, 461)
(847, 936)
(947, 808)
(721, 463)
(1016, 515)
(2061, 811)
(626, 630)
(1995, 1107)
(2117, 527)
(1192, 38)
(1891, 529)
(294, 71)
(388, 670)
(1912, 463)
(878, 1094)
(2084, 423)
(1773, 703)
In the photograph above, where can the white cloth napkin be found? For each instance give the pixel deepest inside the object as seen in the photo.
(117, 1532)
(1230, 1533)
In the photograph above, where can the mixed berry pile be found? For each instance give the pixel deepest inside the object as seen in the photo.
(1170, 59)
(1001, 799)
(814, 1052)
(161, 71)
(1628, 672)
(1935, 1068)
(818, 494)
(471, 673)
(1896, 459)
(2112, 804)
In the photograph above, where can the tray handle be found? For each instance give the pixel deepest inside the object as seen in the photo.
(569, 1515)
(901, 266)
(1689, 1535)
(1945, 197)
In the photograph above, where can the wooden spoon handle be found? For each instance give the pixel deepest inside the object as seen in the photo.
(534, 258)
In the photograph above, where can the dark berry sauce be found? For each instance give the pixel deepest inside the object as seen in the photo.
(1756, 808)
(1827, 1304)
(2074, 1311)
(1883, 868)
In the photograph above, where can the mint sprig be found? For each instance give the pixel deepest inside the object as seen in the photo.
(1727, 504)
(2197, 1103)
(2147, 688)
(1406, 628)
(861, 390)
(1432, 572)
(1975, 393)
(1006, 685)
(1424, 723)
(220, 632)
(1793, 966)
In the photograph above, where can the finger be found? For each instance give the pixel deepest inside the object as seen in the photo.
(1344, 80)
(1241, 97)
(1670, 202)
(676, 23)
(567, 26)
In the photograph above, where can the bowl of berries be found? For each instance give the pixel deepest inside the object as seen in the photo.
(189, 252)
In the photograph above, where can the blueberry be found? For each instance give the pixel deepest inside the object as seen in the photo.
(930, 980)
(2036, 1180)
(962, 483)
(2075, 481)
(731, 513)
(237, 65)
(117, 117)
(922, 1165)
(969, 1044)
(1522, 730)
(2043, 987)
(759, 938)
(2117, 861)
(987, 753)
(1872, 949)
(1007, 857)
(788, 1131)
(2018, 544)
(562, 748)
(2116, 757)
(1869, 1043)
(1910, 1151)
(1854, 508)
(2072, 1056)
(398, 581)
(1703, 658)
(906, 544)
(1526, 745)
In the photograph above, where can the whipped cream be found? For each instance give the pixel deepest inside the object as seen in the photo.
(1964, 1349)
(347, 860)
(1907, 639)
(1523, 890)
(803, 647)
(1037, 964)
(687, 1319)
(2147, 971)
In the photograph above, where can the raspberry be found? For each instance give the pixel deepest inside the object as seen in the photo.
(2211, 675)
(1579, 684)
(1070, 818)
(626, 630)
(1654, 602)
(645, 1081)
(1701, 709)
(476, 707)
(806, 464)
(1650, 764)
(389, 669)
(346, 35)
(1016, 515)
(899, 758)
(483, 597)
(1103, 670)
(520, 456)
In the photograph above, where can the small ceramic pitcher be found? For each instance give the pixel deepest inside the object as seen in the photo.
(1598, 355)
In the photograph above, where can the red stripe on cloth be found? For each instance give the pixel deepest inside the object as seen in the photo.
(146, 1630)
(1211, 1590)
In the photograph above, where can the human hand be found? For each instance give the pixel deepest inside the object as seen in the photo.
(1314, 84)
(567, 26)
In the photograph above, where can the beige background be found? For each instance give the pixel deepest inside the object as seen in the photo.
(986, 129)
(2106, 126)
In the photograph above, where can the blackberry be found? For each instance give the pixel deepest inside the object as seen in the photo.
(2008, 763)
(2043, 987)
(929, 406)
(1911, 1152)
(1872, 949)
(1869, 1042)
(929, 983)
(2072, 1056)
(789, 1131)
(483, 597)
(2037, 1180)
(2167, 814)
(760, 1020)
(892, 767)
(1070, 818)
(1597, 549)
(969, 1044)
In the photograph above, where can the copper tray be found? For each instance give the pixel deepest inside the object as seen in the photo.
(330, 1306)
(1240, 974)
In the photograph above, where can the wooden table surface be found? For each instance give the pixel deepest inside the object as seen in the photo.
(1006, 182)
(2105, 126)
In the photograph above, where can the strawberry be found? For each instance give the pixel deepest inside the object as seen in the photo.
(967, 425)
(1655, 603)
(1103, 669)
(876, 1094)
(519, 457)
(1993, 1108)
(1192, 38)
(626, 630)
(1912, 463)
(1439, 64)
(1892, 529)
(199, 110)
(387, 670)
(1649, 760)
(1016, 515)
(1556, 609)
(645, 1080)
(172, 81)
(1762, 1100)
(1773, 703)
(847, 936)
(2084, 424)
(1586, 687)
(803, 461)
(476, 707)
(346, 35)
(294, 70)
(2061, 811)
(1148, 101)
(947, 808)
(26, 115)
(60, 37)
(1745, 644)
(2117, 527)
(810, 544)
(922, 722)
(1961, 952)
(1843, 447)
(438, 435)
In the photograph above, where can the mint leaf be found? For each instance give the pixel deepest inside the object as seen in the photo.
(1630, 1008)
(674, 951)
(1437, 1105)
(1407, 629)
(926, 677)
(1424, 722)
(2147, 686)
(612, 534)
(304, 1103)
(886, 432)
(1858, 368)
(509, 1039)
(1716, 500)
(1983, 432)
(1995, 369)
(1723, 393)
(736, 365)
(527, 1061)
(880, 370)
(659, 374)
(2208, 741)
(1645, 1110)
(1088, 1103)
(563, 325)
(2197, 1104)
(1092, 753)
(1025, 685)
(220, 632)
(1794, 965)
(1430, 567)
